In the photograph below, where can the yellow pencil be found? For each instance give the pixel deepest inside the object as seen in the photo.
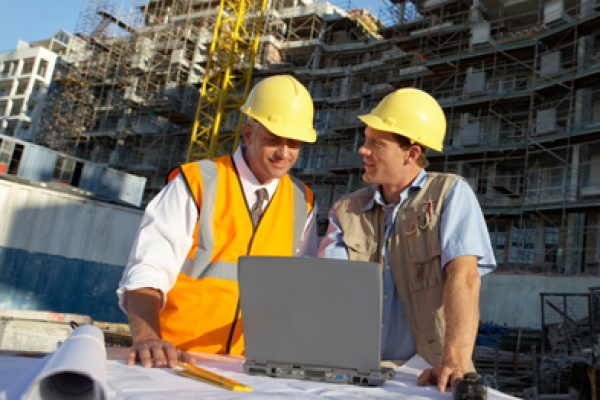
(203, 375)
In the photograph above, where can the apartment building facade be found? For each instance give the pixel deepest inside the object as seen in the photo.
(25, 75)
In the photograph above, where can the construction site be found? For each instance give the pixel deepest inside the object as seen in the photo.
(157, 83)
(518, 82)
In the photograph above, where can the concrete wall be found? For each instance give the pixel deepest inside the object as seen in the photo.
(62, 253)
(514, 300)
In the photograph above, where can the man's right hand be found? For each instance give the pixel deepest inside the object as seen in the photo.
(143, 306)
(155, 352)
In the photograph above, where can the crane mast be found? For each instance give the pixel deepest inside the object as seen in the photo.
(231, 59)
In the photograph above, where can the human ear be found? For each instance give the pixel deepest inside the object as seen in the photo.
(414, 152)
(247, 132)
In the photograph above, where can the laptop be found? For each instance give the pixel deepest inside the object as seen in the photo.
(312, 319)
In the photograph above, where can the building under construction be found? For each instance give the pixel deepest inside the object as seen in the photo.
(519, 82)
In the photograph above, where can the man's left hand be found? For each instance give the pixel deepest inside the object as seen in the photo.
(441, 376)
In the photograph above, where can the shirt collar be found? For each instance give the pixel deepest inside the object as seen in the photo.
(417, 184)
(249, 182)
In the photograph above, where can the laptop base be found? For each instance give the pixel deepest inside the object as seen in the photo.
(320, 374)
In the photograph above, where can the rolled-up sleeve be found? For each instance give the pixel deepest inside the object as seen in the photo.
(333, 245)
(463, 230)
(162, 242)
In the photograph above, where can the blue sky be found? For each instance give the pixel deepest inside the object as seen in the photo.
(32, 20)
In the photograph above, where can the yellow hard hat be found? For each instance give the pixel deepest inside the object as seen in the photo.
(411, 113)
(283, 106)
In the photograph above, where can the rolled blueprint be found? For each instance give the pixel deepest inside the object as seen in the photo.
(75, 371)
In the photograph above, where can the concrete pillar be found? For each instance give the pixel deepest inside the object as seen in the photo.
(582, 108)
(586, 7)
(573, 244)
(571, 254)
(597, 249)
(9, 104)
(19, 131)
(585, 47)
(357, 142)
(19, 69)
(355, 179)
(316, 61)
(591, 256)
(345, 85)
(31, 82)
(14, 84)
(540, 242)
(574, 172)
(311, 161)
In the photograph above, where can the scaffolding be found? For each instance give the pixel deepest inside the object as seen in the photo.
(519, 83)
(130, 97)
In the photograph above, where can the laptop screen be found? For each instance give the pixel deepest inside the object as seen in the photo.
(309, 311)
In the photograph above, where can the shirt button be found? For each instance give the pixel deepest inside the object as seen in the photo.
(385, 297)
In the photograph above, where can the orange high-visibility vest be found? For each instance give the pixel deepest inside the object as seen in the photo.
(202, 310)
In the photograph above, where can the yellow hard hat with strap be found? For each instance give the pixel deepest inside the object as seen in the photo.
(283, 106)
(411, 113)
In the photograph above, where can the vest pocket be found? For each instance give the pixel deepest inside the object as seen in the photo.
(421, 236)
(360, 248)
(421, 233)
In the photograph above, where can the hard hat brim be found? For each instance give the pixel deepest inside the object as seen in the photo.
(376, 123)
(307, 135)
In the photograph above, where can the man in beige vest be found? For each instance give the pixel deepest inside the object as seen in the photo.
(427, 232)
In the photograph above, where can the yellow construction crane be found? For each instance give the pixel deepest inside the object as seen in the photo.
(227, 80)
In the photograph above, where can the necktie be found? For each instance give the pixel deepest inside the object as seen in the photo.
(256, 210)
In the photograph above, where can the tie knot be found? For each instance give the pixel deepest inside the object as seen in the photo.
(261, 195)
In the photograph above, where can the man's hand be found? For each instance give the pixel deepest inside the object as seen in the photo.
(143, 306)
(158, 353)
(441, 376)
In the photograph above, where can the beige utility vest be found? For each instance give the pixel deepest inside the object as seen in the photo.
(415, 254)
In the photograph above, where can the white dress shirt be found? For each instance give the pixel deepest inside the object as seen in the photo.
(166, 233)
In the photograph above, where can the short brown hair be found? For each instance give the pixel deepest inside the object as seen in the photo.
(405, 144)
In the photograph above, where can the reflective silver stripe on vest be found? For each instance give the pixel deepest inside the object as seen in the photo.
(220, 269)
(300, 211)
(201, 266)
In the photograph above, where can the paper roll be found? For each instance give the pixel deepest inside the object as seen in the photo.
(75, 371)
